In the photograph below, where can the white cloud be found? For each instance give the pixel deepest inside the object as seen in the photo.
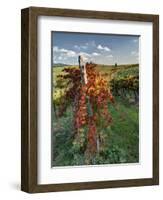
(70, 53)
(95, 54)
(69, 56)
(64, 52)
(57, 49)
(84, 54)
(104, 48)
(99, 47)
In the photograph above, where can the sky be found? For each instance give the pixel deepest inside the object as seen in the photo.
(99, 48)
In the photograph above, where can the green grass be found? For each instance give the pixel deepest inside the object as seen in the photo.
(123, 138)
(62, 140)
(124, 132)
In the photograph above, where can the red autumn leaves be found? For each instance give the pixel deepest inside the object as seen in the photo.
(90, 103)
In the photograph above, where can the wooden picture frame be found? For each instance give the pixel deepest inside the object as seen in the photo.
(29, 87)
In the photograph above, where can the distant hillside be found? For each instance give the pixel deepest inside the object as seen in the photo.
(121, 65)
(60, 65)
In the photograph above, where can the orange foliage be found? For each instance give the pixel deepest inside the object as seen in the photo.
(90, 102)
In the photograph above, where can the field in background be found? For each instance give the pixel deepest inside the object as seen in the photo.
(110, 71)
(123, 143)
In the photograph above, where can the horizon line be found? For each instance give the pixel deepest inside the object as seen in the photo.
(99, 64)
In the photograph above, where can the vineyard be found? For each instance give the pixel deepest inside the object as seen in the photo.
(95, 118)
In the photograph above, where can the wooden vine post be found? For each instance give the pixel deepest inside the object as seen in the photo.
(84, 80)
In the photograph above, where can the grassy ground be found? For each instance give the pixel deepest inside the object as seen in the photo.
(122, 146)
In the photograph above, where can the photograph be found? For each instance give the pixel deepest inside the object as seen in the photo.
(95, 99)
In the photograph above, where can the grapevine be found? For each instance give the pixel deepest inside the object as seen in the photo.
(90, 108)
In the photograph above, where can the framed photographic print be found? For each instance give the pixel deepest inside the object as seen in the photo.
(90, 100)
